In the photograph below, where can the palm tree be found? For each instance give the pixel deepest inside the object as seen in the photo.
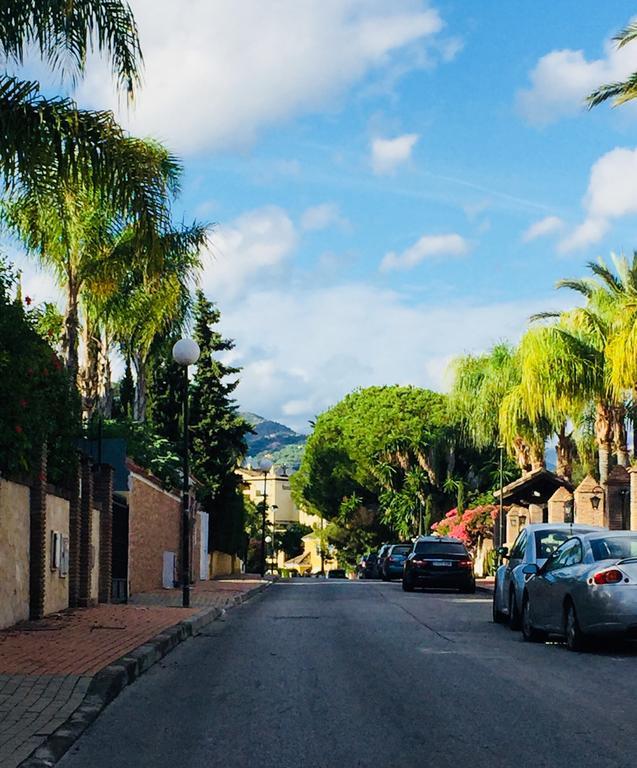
(622, 91)
(46, 141)
(75, 231)
(481, 386)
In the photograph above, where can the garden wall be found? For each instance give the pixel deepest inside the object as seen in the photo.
(14, 552)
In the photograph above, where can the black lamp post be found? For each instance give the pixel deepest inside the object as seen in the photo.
(265, 465)
(185, 353)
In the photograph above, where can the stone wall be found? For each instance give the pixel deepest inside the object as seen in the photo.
(154, 528)
(94, 560)
(14, 553)
(56, 589)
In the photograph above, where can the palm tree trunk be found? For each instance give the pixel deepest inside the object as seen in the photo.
(90, 374)
(620, 438)
(566, 451)
(522, 455)
(70, 331)
(106, 400)
(141, 384)
(603, 435)
(633, 420)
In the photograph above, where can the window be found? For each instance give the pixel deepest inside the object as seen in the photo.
(519, 548)
(614, 547)
(440, 549)
(547, 541)
(570, 553)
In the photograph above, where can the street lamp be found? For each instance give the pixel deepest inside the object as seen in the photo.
(185, 353)
(274, 508)
(265, 465)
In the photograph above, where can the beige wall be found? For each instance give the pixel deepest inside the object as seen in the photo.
(222, 564)
(14, 553)
(95, 561)
(56, 594)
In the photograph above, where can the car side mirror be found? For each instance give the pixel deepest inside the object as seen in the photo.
(503, 551)
(531, 569)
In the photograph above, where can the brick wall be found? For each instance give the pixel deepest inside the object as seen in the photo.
(154, 528)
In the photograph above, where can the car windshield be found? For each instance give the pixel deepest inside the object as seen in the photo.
(442, 548)
(614, 547)
(546, 542)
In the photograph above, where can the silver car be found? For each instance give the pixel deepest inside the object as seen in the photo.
(587, 587)
(534, 544)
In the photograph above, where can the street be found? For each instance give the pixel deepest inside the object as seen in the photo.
(332, 673)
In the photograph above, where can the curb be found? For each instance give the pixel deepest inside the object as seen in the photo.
(109, 682)
(487, 590)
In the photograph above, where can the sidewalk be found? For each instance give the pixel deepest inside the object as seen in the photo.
(486, 585)
(49, 668)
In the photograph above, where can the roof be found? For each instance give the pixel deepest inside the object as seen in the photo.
(536, 487)
(304, 558)
(562, 494)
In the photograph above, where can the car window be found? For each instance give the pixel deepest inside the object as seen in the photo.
(401, 550)
(547, 541)
(519, 548)
(570, 553)
(614, 547)
(440, 548)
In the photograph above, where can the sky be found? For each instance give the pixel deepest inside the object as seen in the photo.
(390, 184)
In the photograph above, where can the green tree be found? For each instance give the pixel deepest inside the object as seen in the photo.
(622, 91)
(218, 431)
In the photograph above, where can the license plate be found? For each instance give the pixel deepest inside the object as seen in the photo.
(442, 563)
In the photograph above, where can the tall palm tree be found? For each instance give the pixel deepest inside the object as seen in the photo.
(481, 385)
(46, 141)
(621, 91)
(75, 230)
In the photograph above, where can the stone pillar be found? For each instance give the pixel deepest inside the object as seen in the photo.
(633, 498)
(38, 542)
(617, 497)
(103, 494)
(536, 513)
(557, 505)
(74, 538)
(86, 524)
(585, 513)
(517, 518)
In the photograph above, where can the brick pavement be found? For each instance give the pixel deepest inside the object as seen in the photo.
(46, 666)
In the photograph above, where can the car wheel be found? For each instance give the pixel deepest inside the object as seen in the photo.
(515, 620)
(529, 632)
(408, 585)
(498, 616)
(575, 638)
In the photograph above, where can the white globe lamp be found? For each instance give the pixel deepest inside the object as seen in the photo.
(186, 352)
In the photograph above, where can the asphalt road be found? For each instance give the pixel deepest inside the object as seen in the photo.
(318, 674)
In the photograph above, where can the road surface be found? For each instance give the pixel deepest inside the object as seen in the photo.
(329, 674)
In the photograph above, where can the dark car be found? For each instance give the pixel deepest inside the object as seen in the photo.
(393, 563)
(367, 567)
(336, 573)
(439, 561)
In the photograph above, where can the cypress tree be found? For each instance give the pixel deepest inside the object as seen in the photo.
(217, 432)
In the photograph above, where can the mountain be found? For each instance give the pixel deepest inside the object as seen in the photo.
(279, 443)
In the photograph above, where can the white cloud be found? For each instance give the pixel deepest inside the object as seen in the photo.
(388, 154)
(561, 80)
(217, 73)
(428, 247)
(256, 243)
(611, 194)
(306, 364)
(542, 228)
(322, 216)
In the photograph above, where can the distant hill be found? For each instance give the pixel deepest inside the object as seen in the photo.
(279, 443)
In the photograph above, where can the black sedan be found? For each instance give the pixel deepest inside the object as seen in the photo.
(439, 561)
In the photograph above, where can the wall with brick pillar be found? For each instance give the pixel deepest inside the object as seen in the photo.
(103, 494)
(37, 542)
(585, 512)
(86, 529)
(75, 525)
(14, 552)
(617, 492)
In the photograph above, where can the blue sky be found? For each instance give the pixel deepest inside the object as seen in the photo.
(392, 183)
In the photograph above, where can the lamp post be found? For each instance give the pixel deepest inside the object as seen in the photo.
(265, 465)
(185, 353)
(274, 508)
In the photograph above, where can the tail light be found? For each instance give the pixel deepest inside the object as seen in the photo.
(611, 576)
(420, 563)
(465, 563)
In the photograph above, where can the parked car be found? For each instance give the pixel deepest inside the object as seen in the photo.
(439, 561)
(393, 563)
(587, 587)
(534, 544)
(382, 554)
(336, 573)
(367, 566)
